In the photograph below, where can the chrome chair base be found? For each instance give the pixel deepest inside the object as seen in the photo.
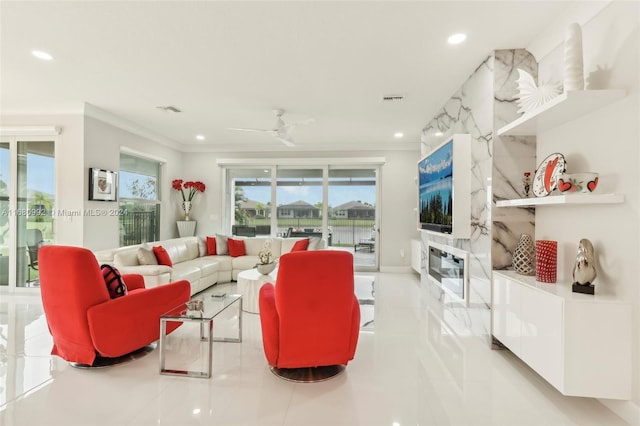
(308, 374)
(101, 362)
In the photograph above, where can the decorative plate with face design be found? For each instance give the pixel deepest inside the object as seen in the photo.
(547, 174)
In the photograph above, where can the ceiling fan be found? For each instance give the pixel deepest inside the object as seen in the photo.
(280, 131)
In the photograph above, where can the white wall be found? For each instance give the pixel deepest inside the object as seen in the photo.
(103, 142)
(605, 141)
(398, 197)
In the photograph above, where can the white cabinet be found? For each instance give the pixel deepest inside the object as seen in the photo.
(579, 343)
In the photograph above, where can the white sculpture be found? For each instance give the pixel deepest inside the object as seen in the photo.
(573, 65)
(531, 96)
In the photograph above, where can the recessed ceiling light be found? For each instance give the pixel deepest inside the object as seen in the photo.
(398, 135)
(200, 137)
(457, 38)
(437, 134)
(42, 55)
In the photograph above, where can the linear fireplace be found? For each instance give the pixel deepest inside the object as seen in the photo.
(448, 267)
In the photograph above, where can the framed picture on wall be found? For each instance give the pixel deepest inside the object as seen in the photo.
(103, 185)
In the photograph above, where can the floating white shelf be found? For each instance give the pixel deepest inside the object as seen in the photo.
(566, 107)
(564, 199)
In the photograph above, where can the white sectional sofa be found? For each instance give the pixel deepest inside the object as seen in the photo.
(190, 261)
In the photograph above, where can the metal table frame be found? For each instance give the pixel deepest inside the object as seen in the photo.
(205, 320)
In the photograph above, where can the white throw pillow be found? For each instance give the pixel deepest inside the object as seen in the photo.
(202, 246)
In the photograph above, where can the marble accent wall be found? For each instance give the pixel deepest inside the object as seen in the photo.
(484, 103)
(512, 156)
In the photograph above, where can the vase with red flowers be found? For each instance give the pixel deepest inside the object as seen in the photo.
(188, 191)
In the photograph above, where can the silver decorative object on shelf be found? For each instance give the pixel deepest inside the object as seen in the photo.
(573, 64)
(530, 96)
(584, 271)
(524, 256)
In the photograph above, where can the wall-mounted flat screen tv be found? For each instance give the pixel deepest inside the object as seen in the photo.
(444, 188)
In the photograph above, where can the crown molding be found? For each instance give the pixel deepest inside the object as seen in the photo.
(114, 120)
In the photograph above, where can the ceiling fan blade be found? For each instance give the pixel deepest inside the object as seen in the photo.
(307, 121)
(291, 126)
(243, 129)
(286, 141)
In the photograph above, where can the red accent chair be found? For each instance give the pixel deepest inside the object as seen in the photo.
(311, 317)
(84, 321)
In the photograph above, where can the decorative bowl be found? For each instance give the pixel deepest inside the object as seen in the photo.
(266, 268)
(574, 183)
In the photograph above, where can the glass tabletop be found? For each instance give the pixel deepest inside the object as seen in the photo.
(203, 307)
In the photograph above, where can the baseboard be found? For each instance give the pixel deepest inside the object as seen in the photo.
(629, 411)
(397, 269)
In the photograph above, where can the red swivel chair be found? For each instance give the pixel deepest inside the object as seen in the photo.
(88, 327)
(311, 318)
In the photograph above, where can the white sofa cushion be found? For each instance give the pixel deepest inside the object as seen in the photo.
(206, 265)
(126, 258)
(180, 249)
(185, 271)
(253, 246)
(242, 263)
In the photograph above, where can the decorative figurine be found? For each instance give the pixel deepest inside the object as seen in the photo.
(526, 182)
(584, 271)
(573, 62)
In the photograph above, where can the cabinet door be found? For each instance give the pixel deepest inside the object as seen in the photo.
(542, 333)
(505, 319)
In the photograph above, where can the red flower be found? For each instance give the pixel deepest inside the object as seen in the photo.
(193, 188)
(177, 184)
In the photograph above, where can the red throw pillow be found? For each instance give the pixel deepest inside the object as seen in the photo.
(211, 246)
(162, 256)
(236, 247)
(113, 280)
(301, 245)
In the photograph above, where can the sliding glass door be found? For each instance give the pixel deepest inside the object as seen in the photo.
(27, 200)
(299, 197)
(337, 203)
(352, 199)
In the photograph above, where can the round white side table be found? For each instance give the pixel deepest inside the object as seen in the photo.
(249, 283)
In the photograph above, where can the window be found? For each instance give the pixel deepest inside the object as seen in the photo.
(337, 202)
(139, 196)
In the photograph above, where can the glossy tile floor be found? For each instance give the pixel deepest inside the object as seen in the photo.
(410, 370)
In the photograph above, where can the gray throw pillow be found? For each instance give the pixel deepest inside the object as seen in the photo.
(146, 256)
(221, 244)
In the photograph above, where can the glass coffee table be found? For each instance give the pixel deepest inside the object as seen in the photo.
(193, 311)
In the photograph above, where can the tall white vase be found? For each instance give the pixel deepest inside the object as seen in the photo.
(573, 65)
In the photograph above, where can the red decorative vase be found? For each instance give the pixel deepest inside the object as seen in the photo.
(546, 261)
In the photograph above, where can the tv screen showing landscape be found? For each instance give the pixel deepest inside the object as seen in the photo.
(435, 174)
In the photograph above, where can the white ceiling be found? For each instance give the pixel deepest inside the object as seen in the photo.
(228, 64)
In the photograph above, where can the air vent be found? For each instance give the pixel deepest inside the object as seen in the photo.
(392, 98)
(169, 108)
